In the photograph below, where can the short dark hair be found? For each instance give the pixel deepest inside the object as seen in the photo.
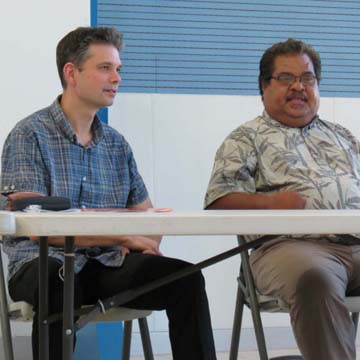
(74, 46)
(288, 47)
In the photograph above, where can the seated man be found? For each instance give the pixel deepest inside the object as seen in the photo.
(64, 150)
(289, 158)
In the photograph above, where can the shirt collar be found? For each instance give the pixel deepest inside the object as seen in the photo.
(314, 122)
(65, 127)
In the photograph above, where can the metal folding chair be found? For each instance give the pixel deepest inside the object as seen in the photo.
(248, 295)
(22, 311)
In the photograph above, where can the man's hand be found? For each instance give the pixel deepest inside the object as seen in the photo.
(141, 243)
(287, 200)
(17, 196)
(144, 244)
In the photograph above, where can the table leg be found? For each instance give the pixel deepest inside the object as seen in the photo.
(43, 300)
(68, 314)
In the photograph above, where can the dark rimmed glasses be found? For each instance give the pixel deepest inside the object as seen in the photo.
(307, 79)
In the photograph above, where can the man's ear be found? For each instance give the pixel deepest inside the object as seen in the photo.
(69, 73)
(264, 85)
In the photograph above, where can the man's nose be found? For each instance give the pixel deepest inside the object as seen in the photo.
(297, 84)
(116, 77)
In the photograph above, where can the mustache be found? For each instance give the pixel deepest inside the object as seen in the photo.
(296, 95)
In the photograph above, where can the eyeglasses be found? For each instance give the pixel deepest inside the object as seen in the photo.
(307, 79)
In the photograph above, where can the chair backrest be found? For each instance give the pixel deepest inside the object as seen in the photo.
(249, 295)
(252, 296)
(4, 314)
(22, 311)
(271, 303)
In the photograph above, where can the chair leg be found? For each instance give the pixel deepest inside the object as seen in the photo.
(255, 311)
(355, 320)
(259, 332)
(235, 337)
(126, 340)
(145, 338)
(4, 317)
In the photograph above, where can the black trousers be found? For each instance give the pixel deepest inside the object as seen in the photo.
(184, 300)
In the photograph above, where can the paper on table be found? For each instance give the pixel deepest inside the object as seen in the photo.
(127, 210)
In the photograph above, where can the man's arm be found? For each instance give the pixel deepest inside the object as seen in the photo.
(147, 204)
(279, 200)
(146, 244)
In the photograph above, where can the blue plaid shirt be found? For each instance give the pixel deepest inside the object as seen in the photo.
(42, 155)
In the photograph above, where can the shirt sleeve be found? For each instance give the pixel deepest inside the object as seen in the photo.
(234, 167)
(138, 192)
(23, 168)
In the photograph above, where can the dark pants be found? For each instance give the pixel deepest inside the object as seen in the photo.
(184, 300)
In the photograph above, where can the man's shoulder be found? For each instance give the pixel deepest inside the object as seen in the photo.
(112, 133)
(33, 121)
(327, 123)
(113, 137)
(338, 129)
(248, 127)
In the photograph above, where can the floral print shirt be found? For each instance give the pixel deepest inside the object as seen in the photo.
(321, 161)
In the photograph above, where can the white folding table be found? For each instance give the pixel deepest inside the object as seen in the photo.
(209, 222)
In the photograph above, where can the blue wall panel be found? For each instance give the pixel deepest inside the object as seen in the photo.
(214, 47)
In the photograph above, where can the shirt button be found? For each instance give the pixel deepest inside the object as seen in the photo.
(12, 187)
(84, 178)
(6, 187)
(83, 206)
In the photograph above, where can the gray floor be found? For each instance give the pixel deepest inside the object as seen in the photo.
(23, 347)
(248, 355)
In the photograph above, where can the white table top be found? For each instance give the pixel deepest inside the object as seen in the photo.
(7, 223)
(209, 222)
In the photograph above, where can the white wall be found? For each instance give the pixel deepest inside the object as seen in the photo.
(174, 137)
(29, 33)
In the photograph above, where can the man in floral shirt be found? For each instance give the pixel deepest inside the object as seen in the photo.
(289, 158)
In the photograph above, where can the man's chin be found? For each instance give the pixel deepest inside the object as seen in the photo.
(295, 119)
(299, 121)
(298, 112)
(107, 102)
